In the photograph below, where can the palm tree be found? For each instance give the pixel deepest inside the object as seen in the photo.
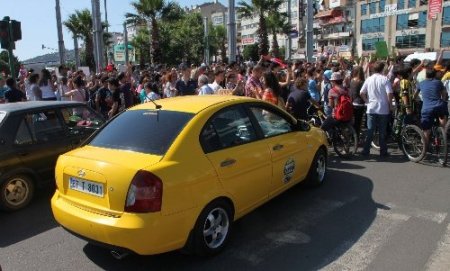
(277, 23)
(220, 40)
(80, 24)
(151, 10)
(261, 8)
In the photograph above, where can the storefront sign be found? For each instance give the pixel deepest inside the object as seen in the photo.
(434, 8)
(372, 35)
(246, 41)
(119, 53)
(390, 10)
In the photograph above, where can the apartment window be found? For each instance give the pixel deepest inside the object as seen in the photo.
(410, 41)
(363, 9)
(400, 4)
(411, 3)
(446, 16)
(423, 2)
(372, 25)
(369, 44)
(373, 8)
(294, 3)
(382, 3)
(445, 39)
(413, 20)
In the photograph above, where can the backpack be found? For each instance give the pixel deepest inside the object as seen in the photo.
(344, 109)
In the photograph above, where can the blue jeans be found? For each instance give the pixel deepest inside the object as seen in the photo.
(375, 121)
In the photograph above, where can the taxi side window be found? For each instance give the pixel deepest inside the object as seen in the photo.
(229, 128)
(271, 122)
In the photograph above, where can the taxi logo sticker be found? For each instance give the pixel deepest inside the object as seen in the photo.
(289, 169)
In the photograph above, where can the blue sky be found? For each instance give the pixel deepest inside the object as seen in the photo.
(39, 21)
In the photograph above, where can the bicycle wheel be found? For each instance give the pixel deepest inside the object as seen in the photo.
(345, 140)
(376, 140)
(439, 145)
(413, 143)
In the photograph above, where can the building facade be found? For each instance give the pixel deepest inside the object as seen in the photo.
(403, 24)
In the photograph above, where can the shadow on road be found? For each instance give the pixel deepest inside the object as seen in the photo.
(302, 229)
(34, 219)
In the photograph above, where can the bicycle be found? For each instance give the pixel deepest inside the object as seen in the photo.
(342, 137)
(413, 143)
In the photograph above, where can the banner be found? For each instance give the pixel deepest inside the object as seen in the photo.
(381, 49)
(434, 8)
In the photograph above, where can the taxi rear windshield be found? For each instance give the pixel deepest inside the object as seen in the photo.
(145, 131)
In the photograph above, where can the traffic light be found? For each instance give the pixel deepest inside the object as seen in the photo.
(4, 34)
(16, 30)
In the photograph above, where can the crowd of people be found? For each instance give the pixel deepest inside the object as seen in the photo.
(345, 90)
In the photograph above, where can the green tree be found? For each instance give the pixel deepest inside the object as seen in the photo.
(141, 44)
(152, 11)
(4, 63)
(278, 23)
(250, 52)
(218, 35)
(80, 24)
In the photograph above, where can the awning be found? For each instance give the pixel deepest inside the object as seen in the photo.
(326, 13)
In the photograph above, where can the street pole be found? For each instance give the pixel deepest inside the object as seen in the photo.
(61, 48)
(106, 17)
(309, 31)
(10, 48)
(98, 34)
(205, 24)
(125, 41)
(289, 39)
(77, 54)
(231, 31)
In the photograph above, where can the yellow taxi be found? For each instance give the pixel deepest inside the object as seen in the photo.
(177, 174)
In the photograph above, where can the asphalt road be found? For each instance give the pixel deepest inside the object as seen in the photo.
(375, 214)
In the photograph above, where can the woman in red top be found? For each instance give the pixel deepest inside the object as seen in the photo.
(272, 90)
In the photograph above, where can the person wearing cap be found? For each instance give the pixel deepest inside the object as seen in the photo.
(334, 94)
(185, 85)
(326, 86)
(377, 94)
(434, 97)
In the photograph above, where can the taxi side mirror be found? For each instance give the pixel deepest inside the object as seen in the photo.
(302, 126)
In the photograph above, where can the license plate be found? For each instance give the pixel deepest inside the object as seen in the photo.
(87, 187)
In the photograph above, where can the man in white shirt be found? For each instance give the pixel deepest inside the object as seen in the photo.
(377, 94)
(219, 76)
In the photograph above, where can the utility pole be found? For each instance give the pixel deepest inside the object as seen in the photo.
(106, 18)
(231, 31)
(309, 30)
(98, 34)
(289, 39)
(125, 42)
(77, 54)
(205, 24)
(61, 48)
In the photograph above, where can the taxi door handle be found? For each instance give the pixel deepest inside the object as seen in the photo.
(278, 147)
(227, 162)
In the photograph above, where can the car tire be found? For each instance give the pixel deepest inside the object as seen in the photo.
(212, 229)
(16, 192)
(317, 171)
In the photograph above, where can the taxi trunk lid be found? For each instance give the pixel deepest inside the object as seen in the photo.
(97, 179)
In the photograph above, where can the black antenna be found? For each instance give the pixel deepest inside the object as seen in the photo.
(157, 106)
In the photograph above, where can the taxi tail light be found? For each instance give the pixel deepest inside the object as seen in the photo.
(144, 194)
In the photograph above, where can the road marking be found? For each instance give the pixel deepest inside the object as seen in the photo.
(440, 260)
(437, 217)
(359, 253)
(289, 233)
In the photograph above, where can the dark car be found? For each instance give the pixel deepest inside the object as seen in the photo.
(32, 136)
